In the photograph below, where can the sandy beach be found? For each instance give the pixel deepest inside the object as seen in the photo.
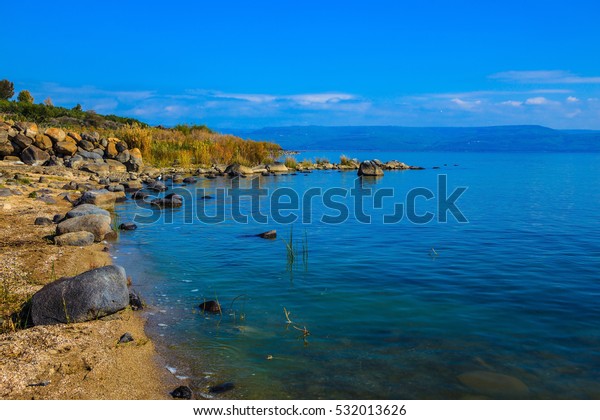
(66, 361)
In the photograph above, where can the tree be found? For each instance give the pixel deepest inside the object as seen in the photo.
(78, 108)
(7, 90)
(48, 102)
(25, 97)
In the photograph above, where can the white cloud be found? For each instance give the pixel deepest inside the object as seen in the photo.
(572, 99)
(512, 103)
(301, 99)
(256, 98)
(466, 104)
(539, 100)
(544, 77)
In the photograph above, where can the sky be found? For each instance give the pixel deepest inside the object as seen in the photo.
(250, 64)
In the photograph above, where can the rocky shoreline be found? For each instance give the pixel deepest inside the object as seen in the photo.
(57, 190)
(73, 360)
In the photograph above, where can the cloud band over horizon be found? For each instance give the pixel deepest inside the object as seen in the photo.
(569, 103)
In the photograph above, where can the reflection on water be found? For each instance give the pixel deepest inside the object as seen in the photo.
(513, 292)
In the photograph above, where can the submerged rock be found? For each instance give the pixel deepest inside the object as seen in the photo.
(271, 234)
(210, 306)
(170, 201)
(90, 295)
(494, 384)
(219, 389)
(140, 195)
(128, 226)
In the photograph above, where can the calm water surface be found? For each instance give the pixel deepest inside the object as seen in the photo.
(514, 291)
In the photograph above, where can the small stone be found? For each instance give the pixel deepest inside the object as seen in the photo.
(135, 301)
(183, 393)
(42, 221)
(125, 338)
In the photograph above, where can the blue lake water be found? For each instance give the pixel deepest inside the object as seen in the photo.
(394, 311)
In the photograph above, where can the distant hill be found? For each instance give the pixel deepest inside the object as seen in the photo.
(518, 138)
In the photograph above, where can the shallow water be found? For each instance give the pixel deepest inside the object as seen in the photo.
(514, 291)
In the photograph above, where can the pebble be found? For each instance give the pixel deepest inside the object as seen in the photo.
(126, 338)
(182, 392)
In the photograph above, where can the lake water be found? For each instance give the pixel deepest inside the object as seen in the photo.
(394, 310)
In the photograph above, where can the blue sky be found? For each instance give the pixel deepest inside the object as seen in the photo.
(264, 63)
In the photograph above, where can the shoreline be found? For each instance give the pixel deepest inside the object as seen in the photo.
(76, 360)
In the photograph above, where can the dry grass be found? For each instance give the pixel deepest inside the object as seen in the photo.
(164, 147)
(291, 162)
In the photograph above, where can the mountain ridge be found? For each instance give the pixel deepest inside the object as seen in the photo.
(507, 138)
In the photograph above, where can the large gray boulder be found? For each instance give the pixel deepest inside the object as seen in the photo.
(75, 239)
(100, 169)
(97, 224)
(88, 296)
(22, 141)
(277, 167)
(236, 170)
(34, 156)
(85, 209)
(100, 198)
(6, 147)
(369, 168)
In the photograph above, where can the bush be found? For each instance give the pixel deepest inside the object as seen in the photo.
(7, 90)
(25, 97)
(291, 162)
(40, 113)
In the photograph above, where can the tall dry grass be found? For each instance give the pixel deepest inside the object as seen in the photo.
(165, 147)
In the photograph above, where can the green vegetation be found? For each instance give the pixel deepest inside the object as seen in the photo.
(61, 117)
(25, 97)
(7, 90)
(187, 129)
(291, 250)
